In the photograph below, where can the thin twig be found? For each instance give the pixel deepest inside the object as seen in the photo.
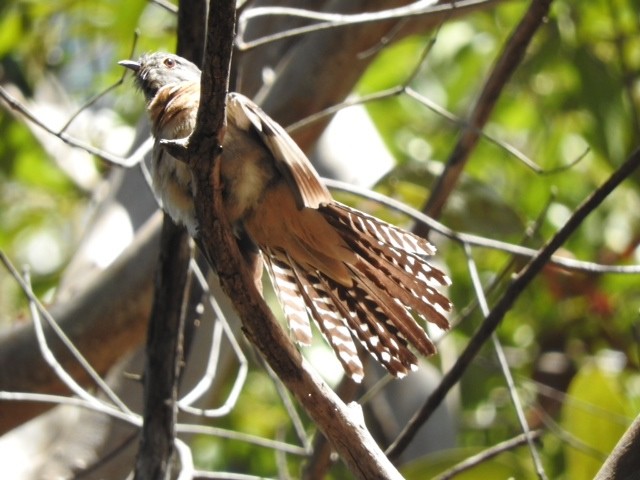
(434, 107)
(111, 158)
(478, 130)
(136, 420)
(336, 20)
(187, 470)
(281, 457)
(511, 293)
(573, 402)
(570, 439)
(475, 240)
(227, 476)
(499, 277)
(205, 382)
(101, 94)
(504, 366)
(33, 300)
(165, 4)
(488, 454)
(50, 358)
(289, 407)
(242, 437)
(129, 418)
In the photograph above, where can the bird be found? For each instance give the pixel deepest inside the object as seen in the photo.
(362, 280)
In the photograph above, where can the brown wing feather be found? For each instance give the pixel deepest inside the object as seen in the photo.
(354, 274)
(290, 161)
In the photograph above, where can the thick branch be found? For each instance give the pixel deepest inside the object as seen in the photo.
(624, 461)
(104, 321)
(164, 355)
(344, 430)
(165, 337)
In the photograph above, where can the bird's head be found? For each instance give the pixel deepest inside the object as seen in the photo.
(156, 70)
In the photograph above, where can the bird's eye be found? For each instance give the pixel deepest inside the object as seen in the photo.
(169, 62)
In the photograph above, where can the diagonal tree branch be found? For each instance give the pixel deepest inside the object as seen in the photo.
(512, 55)
(506, 301)
(103, 329)
(344, 427)
(624, 461)
(488, 454)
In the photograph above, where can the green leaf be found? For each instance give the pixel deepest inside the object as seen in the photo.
(10, 31)
(595, 417)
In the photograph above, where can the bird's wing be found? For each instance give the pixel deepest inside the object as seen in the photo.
(290, 161)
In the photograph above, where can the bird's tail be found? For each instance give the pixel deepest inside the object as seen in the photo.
(391, 280)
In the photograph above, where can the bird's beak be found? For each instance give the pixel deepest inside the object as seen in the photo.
(130, 64)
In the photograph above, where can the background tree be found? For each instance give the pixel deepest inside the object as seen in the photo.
(559, 121)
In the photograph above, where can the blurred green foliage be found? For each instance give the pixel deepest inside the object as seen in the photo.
(577, 91)
(595, 417)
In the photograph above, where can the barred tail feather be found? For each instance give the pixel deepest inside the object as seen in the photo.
(372, 328)
(390, 280)
(401, 274)
(286, 287)
(331, 322)
(386, 293)
(396, 258)
(378, 229)
(302, 295)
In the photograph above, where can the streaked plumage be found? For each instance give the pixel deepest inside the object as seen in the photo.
(357, 277)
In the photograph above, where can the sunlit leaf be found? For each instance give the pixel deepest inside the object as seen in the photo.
(595, 416)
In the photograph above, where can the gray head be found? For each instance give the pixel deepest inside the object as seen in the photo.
(155, 70)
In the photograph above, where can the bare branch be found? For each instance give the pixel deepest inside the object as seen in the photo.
(37, 311)
(487, 455)
(504, 366)
(221, 326)
(510, 295)
(512, 55)
(101, 328)
(116, 160)
(164, 352)
(166, 5)
(624, 461)
(335, 20)
(343, 426)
